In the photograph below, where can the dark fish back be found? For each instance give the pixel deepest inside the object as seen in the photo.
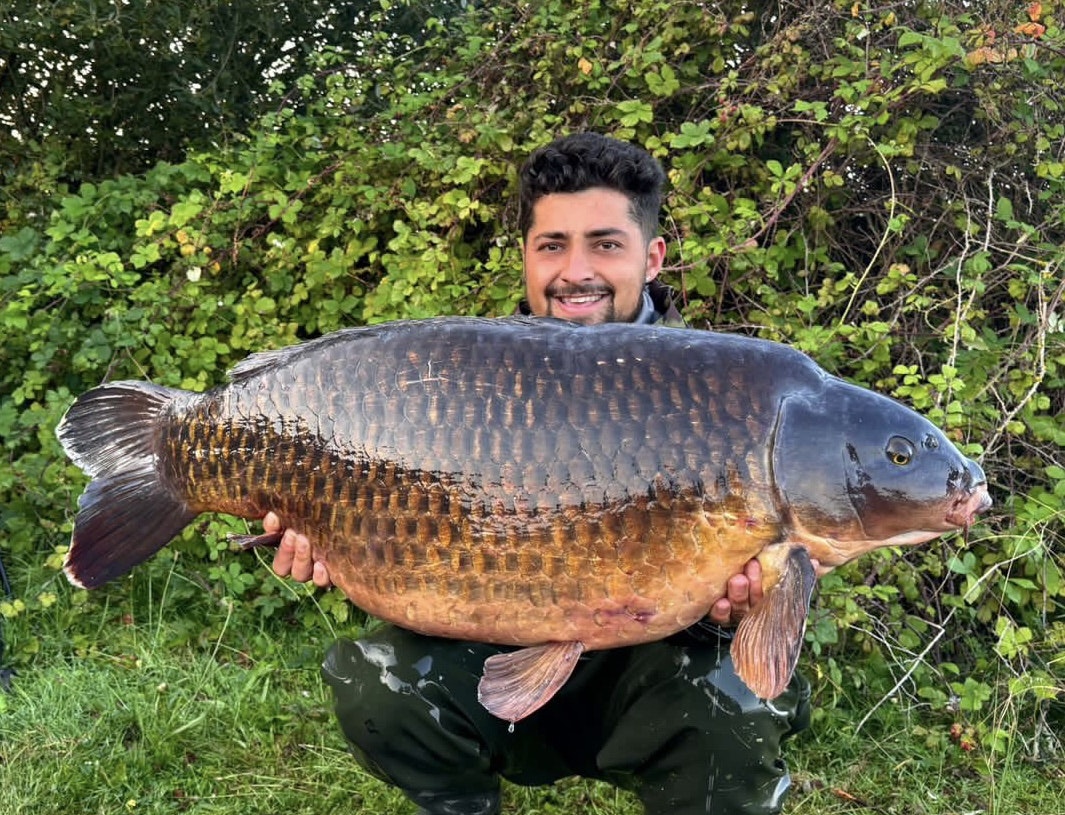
(476, 440)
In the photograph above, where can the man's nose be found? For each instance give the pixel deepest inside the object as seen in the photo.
(578, 265)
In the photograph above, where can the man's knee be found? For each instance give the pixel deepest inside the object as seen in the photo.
(364, 687)
(404, 724)
(690, 737)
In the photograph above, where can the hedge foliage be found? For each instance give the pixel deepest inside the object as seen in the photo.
(881, 185)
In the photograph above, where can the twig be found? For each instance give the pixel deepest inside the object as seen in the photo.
(942, 630)
(1045, 310)
(883, 238)
(902, 681)
(828, 150)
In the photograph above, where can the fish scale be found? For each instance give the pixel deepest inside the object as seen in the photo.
(530, 482)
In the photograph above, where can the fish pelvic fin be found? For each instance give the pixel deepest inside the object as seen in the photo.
(126, 513)
(765, 649)
(267, 540)
(517, 684)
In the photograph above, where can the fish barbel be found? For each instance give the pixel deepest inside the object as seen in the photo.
(530, 482)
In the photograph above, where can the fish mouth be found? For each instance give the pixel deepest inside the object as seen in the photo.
(962, 513)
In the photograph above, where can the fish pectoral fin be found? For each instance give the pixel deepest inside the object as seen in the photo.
(247, 542)
(765, 649)
(518, 683)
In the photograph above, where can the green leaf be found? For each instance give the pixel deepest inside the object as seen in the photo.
(634, 112)
(22, 245)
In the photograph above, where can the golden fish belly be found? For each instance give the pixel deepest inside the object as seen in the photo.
(611, 578)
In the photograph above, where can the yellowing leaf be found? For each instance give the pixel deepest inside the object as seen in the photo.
(584, 66)
(1033, 30)
(984, 54)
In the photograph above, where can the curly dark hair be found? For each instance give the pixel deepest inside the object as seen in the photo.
(585, 160)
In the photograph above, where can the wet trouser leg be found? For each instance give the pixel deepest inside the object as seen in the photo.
(672, 723)
(407, 727)
(688, 737)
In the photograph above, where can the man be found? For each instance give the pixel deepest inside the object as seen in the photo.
(669, 720)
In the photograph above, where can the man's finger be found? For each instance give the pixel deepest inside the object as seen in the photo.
(739, 590)
(286, 552)
(302, 564)
(271, 522)
(753, 573)
(321, 576)
(721, 612)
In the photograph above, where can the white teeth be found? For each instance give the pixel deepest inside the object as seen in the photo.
(580, 299)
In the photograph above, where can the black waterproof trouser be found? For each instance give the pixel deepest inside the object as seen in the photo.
(671, 722)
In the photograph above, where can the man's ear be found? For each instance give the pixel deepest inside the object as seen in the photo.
(656, 257)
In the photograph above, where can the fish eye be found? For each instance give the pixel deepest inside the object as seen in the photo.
(899, 451)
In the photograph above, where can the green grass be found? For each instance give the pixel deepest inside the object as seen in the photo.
(894, 767)
(148, 700)
(154, 730)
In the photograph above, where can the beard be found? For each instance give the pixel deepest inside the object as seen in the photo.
(607, 314)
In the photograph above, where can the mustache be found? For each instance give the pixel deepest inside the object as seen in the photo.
(576, 290)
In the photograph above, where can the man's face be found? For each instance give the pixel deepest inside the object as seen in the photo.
(585, 258)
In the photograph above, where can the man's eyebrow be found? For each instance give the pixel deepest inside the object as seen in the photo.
(605, 232)
(550, 236)
(593, 234)
(560, 235)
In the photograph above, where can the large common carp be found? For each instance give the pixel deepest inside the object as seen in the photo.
(530, 482)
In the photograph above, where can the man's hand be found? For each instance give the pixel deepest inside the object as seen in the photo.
(744, 590)
(293, 555)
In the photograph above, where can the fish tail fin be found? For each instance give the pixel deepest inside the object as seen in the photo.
(127, 512)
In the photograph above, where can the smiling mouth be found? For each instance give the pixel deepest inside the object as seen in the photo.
(579, 297)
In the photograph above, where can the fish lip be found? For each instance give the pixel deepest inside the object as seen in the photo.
(965, 509)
